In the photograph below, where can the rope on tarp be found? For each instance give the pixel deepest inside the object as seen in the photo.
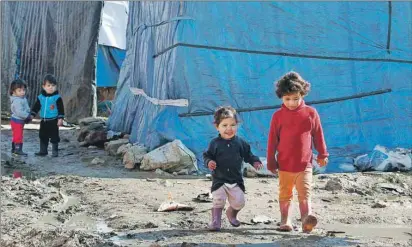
(262, 108)
(284, 54)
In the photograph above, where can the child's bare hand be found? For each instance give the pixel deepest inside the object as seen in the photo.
(257, 165)
(60, 122)
(322, 162)
(274, 171)
(211, 165)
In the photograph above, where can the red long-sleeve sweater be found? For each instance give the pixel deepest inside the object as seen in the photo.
(291, 135)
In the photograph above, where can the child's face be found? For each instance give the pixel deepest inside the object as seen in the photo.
(227, 128)
(292, 101)
(19, 92)
(49, 88)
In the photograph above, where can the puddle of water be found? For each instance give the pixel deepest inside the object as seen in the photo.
(27, 174)
(373, 231)
(102, 227)
(122, 236)
(81, 222)
(47, 220)
(68, 201)
(131, 238)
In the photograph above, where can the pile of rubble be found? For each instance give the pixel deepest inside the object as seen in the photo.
(171, 158)
(385, 183)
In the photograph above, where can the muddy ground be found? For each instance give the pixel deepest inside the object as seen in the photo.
(68, 202)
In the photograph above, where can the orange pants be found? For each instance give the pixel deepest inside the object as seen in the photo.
(302, 181)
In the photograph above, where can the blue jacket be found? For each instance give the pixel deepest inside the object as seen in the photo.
(49, 105)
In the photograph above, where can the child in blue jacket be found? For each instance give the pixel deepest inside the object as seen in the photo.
(51, 108)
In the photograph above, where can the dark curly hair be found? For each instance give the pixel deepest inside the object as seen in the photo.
(291, 83)
(15, 84)
(224, 112)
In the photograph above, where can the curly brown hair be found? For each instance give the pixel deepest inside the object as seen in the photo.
(291, 83)
(224, 112)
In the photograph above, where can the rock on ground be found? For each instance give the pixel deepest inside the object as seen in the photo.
(89, 120)
(112, 146)
(172, 157)
(133, 156)
(97, 161)
(334, 185)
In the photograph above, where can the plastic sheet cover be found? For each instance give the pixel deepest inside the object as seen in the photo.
(52, 37)
(109, 62)
(356, 55)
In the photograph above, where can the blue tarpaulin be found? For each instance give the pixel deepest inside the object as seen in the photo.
(230, 53)
(109, 62)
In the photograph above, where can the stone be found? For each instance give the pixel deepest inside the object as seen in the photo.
(261, 219)
(334, 184)
(172, 157)
(97, 161)
(391, 187)
(123, 149)
(134, 155)
(112, 146)
(162, 173)
(88, 120)
(96, 138)
(379, 204)
(150, 225)
(83, 144)
(95, 126)
(357, 191)
(183, 172)
(166, 183)
(250, 172)
(82, 135)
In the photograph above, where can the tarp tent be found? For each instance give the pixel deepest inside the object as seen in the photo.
(109, 62)
(207, 54)
(52, 37)
(112, 42)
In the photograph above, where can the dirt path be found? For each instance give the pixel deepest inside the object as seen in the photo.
(68, 202)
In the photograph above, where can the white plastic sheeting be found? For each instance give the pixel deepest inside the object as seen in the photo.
(114, 23)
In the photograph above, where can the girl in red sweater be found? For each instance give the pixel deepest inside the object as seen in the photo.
(294, 129)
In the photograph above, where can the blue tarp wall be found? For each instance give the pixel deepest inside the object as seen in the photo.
(109, 62)
(220, 53)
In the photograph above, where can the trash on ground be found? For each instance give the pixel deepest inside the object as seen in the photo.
(384, 159)
(204, 197)
(168, 206)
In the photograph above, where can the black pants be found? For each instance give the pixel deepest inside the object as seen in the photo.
(49, 130)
